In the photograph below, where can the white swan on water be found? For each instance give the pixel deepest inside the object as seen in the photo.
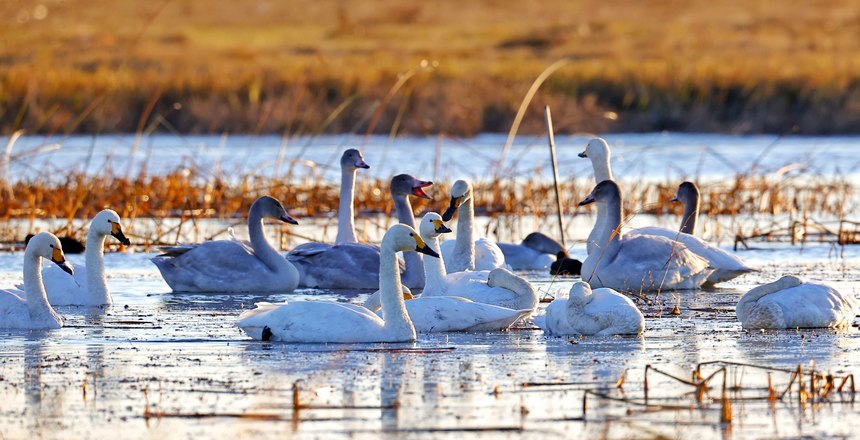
(792, 303)
(466, 253)
(433, 313)
(726, 265)
(638, 262)
(29, 309)
(592, 312)
(334, 322)
(232, 265)
(88, 287)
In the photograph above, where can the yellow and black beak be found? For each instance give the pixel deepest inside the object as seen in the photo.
(60, 260)
(116, 232)
(440, 227)
(422, 247)
(452, 208)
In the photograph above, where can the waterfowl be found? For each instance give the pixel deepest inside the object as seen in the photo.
(466, 253)
(403, 186)
(565, 266)
(789, 302)
(334, 322)
(597, 151)
(637, 262)
(534, 253)
(592, 312)
(88, 287)
(232, 265)
(29, 309)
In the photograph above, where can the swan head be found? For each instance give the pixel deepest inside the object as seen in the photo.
(352, 160)
(542, 243)
(431, 226)
(596, 149)
(401, 237)
(107, 223)
(580, 292)
(47, 245)
(461, 191)
(603, 192)
(688, 194)
(270, 207)
(405, 184)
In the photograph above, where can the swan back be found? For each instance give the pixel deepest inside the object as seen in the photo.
(791, 303)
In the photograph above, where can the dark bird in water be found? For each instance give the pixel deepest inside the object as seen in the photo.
(565, 266)
(70, 245)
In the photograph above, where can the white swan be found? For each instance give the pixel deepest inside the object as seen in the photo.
(232, 265)
(451, 313)
(536, 252)
(792, 303)
(88, 287)
(592, 312)
(726, 265)
(638, 262)
(30, 309)
(333, 322)
(466, 253)
(498, 287)
(347, 263)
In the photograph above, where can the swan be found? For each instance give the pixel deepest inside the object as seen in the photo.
(466, 253)
(232, 265)
(497, 287)
(792, 303)
(334, 322)
(433, 314)
(726, 265)
(323, 265)
(88, 287)
(637, 262)
(30, 309)
(565, 266)
(534, 253)
(592, 312)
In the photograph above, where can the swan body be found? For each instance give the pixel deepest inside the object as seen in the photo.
(29, 309)
(88, 286)
(332, 322)
(534, 253)
(792, 303)
(637, 262)
(497, 287)
(466, 253)
(592, 312)
(233, 265)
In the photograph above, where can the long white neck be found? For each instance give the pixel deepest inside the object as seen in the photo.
(602, 171)
(37, 300)
(609, 239)
(97, 288)
(397, 322)
(413, 276)
(262, 249)
(345, 211)
(691, 216)
(435, 282)
(463, 257)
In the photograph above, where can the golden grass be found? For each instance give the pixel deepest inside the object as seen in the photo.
(92, 65)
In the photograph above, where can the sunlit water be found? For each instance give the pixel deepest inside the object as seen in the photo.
(162, 365)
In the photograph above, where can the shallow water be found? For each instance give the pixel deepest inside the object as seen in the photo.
(159, 365)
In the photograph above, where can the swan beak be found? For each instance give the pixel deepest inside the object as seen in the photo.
(417, 191)
(362, 164)
(287, 219)
(60, 260)
(422, 247)
(583, 154)
(452, 208)
(674, 198)
(116, 232)
(440, 227)
(587, 200)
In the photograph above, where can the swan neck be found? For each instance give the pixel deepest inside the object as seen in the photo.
(464, 247)
(262, 248)
(37, 299)
(691, 216)
(346, 209)
(403, 209)
(609, 239)
(434, 271)
(602, 169)
(95, 266)
(397, 322)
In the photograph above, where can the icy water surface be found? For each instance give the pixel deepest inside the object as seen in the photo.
(162, 365)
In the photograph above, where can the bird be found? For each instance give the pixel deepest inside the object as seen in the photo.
(790, 302)
(591, 312)
(466, 253)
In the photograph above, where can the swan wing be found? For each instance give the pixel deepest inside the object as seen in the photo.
(343, 266)
(454, 314)
(809, 305)
(312, 321)
(520, 257)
